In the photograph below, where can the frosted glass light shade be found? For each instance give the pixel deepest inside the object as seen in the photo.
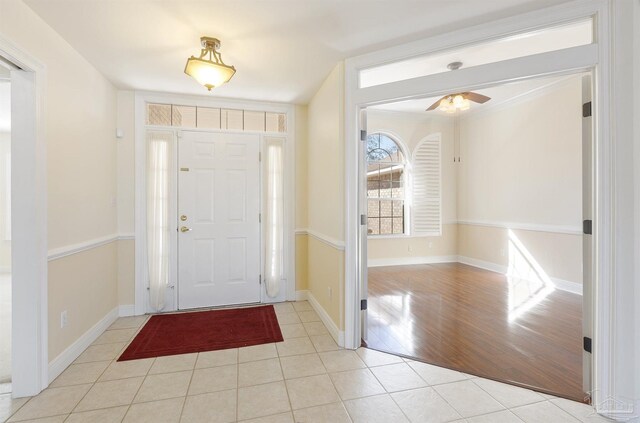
(208, 73)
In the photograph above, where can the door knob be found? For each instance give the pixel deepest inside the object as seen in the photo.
(183, 217)
(184, 229)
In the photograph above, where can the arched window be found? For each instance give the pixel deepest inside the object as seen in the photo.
(385, 186)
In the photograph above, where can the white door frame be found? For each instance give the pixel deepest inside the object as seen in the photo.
(30, 354)
(144, 97)
(595, 57)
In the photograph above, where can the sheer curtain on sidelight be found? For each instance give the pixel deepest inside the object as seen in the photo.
(274, 228)
(159, 148)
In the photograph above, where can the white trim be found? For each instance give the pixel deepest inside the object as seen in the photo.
(564, 61)
(30, 348)
(69, 250)
(336, 333)
(302, 295)
(331, 242)
(73, 351)
(127, 237)
(534, 227)
(561, 284)
(126, 310)
(405, 261)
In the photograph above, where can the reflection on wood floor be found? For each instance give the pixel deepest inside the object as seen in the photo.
(479, 322)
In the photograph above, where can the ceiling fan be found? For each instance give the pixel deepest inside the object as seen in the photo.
(458, 101)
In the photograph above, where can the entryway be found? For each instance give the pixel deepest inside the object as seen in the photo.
(215, 199)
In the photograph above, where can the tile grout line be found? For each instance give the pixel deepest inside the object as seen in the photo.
(143, 379)
(186, 394)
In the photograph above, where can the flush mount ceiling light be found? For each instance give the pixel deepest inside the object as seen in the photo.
(209, 69)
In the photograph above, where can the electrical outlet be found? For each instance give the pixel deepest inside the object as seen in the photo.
(330, 293)
(501, 252)
(430, 244)
(63, 319)
(409, 248)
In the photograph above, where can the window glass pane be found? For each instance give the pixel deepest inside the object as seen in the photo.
(373, 226)
(276, 122)
(534, 42)
(398, 225)
(386, 226)
(398, 208)
(385, 208)
(373, 189)
(232, 119)
(373, 208)
(184, 116)
(381, 148)
(254, 121)
(159, 114)
(208, 118)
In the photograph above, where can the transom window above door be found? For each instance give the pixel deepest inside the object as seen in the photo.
(215, 118)
(385, 186)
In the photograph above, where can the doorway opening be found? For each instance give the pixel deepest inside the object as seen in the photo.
(477, 257)
(5, 229)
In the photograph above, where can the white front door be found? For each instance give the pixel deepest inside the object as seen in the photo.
(218, 219)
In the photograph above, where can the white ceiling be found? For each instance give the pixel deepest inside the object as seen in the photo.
(282, 49)
(499, 95)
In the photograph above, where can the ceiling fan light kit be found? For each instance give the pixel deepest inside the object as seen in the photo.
(209, 69)
(458, 101)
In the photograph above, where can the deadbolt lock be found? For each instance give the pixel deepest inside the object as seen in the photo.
(183, 217)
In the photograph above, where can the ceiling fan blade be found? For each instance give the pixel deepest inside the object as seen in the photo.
(478, 98)
(436, 104)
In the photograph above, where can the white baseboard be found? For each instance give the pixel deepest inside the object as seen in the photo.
(66, 357)
(127, 310)
(568, 286)
(561, 284)
(486, 265)
(336, 333)
(404, 261)
(302, 295)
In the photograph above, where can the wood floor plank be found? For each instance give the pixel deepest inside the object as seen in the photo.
(479, 322)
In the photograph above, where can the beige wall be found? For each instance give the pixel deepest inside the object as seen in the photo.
(410, 129)
(302, 132)
(125, 121)
(325, 191)
(558, 254)
(80, 107)
(325, 188)
(84, 284)
(326, 278)
(521, 166)
(522, 162)
(437, 247)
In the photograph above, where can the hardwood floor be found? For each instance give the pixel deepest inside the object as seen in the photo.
(479, 322)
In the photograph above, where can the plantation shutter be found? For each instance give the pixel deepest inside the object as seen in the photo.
(426, 210)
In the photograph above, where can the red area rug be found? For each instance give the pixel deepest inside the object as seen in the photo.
(183, 333)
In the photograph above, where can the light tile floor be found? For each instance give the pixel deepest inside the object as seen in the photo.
(305, 379)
